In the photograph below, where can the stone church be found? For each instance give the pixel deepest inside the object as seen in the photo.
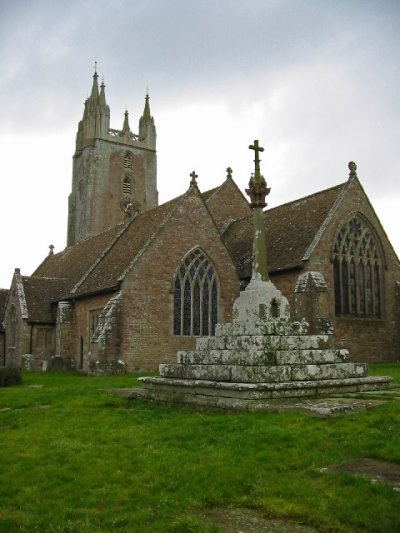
(139, 281)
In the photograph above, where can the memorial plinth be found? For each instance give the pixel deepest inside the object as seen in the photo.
(262, 355)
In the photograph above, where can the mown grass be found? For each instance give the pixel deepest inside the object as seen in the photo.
(75, 459)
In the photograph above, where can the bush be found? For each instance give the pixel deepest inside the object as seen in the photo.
(10, 376)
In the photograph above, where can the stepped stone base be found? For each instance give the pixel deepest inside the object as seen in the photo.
(250, 396)
(260, 357)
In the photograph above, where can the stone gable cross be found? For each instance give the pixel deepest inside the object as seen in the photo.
(194, 177)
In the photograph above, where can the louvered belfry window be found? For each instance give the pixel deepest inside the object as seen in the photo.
(195, 296)
(357, 270)
(128, 160)
(126, 186)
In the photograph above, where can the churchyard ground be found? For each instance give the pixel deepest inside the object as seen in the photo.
(76, 459)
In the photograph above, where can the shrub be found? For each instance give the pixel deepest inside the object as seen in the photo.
(10, 376)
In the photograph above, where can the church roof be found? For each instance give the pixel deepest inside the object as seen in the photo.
(110, 268)
(99, 263)
(73, 263)
(39, 295)
(291, 231)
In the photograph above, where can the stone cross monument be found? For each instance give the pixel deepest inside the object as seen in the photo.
(263, 355)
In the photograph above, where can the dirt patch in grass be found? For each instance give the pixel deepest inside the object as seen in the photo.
(376, 471)
(250, 521)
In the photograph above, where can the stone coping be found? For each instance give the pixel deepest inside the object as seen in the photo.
(328, 383)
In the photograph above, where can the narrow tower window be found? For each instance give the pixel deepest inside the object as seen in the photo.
(128, 160)
(126, 186)
(195, 296)
(357, 270)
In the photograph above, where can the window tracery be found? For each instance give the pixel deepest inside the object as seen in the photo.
(195, 296)
(357, 270)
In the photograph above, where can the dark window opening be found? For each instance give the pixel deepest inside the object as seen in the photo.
(195, 296)
(357, 271)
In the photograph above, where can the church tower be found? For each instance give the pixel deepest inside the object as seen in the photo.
(114, 171)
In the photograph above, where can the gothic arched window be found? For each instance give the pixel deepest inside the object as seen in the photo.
(195, 296)
(357, 270)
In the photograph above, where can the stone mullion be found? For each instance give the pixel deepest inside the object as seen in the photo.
(210, 304)
(357, 282)
(341, 284)
(182, 282)
(191, 305)
(201, 285)
(365, 286)
(348, 261)
(380, 279)
(373, 289)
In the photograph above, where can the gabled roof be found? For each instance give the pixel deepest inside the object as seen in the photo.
(292, 230)
(3, 300)
(98, 263)
(108, 271)
(39, 294)
(72, 263)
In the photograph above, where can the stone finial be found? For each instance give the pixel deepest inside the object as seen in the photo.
(353, 169)
(194, 177)
(17, 270)
(51, 249)
(229, 173)
(125, 126)
(258, 189)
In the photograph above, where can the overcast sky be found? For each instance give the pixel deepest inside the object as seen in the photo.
(317, 82)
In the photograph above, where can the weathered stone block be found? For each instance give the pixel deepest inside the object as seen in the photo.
(204, 372)
(313, 357)
(328, 371)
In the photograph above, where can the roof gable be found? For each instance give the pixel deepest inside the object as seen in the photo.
(110, 268)
(226, 203)
(73, 263)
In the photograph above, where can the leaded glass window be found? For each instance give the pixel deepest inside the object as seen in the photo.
(195, 296)
(357, 270)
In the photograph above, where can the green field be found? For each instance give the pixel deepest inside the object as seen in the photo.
(76, 459)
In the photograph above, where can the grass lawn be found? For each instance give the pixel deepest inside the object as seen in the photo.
(75, 459)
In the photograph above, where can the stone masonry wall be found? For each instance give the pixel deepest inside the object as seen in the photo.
(147, 304)
(228, 203)
(83, 307)
(97, 186)
(367, 339)
(14, 351)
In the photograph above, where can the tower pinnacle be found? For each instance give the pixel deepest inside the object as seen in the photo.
(125, 126)
(95, 87)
